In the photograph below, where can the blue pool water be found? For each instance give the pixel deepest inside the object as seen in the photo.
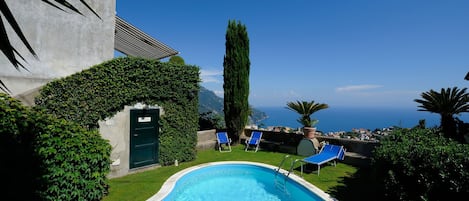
(238, 182)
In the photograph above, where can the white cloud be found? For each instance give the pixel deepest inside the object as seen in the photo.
(219, 93)
(293, 94)
(211, 76)
(357, 87)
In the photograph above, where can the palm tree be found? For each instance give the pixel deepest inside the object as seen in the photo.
(447, 103)
(306, 109)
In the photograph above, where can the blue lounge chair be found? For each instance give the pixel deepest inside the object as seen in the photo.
(329, 152)
(223, 139)
(254, 141)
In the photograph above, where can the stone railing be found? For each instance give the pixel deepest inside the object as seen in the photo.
(358, 152)
(206, 139)
(287, 142)
(364, 148)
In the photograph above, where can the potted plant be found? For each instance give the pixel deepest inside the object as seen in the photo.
(306, 109)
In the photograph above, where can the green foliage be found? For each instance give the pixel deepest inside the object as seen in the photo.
(305, 109)
(45, 158)
(177, 60)
(103, 90)
(210, 120)
(236, 65)
(448, 102)
(75, 161)
(419, 164)
(16, 150)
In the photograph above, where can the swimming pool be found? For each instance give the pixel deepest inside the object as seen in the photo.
(237, 181)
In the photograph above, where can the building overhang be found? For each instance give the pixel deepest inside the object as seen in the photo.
(131, 41)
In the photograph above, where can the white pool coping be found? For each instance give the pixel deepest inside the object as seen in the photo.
(169, 184)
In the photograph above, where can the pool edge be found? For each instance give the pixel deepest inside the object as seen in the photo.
(169, 184)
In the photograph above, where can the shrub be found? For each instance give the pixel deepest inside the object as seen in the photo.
(18, 168)
(210, 120)
(419, 164)
(47, 158)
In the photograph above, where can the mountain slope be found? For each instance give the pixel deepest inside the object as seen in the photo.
(210, 102)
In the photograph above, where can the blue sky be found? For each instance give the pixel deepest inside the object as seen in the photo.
(353, 53)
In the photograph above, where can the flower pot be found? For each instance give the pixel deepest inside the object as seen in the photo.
(309, 132)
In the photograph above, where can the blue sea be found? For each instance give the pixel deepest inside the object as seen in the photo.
(345, 119)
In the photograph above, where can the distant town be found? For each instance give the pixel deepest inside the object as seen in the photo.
(355, 134)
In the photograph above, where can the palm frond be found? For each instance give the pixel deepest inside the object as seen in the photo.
(64, 3)
(89, 8)
(11, 20)
(68, 5)
(53, 5)
(6, 47)
(4, 88)
(8, 50)
(306, 109)
(449, 101)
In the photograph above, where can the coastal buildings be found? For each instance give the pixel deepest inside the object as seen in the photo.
(355, 134)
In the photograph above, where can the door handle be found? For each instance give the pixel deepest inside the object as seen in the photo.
(135, 135)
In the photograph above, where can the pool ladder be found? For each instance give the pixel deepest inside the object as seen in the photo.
(281, 185)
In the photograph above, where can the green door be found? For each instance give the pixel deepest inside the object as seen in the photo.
(144, 132)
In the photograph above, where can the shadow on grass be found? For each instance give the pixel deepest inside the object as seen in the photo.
(361, 186)
(308, 169)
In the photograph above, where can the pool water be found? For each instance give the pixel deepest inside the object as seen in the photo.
(238, 182)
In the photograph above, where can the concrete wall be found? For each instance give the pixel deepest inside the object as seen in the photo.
(117, 130)
(364, 148)
(65, 42)
(206, 139)
(358, 152)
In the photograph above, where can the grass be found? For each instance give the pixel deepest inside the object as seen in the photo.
(343, 182)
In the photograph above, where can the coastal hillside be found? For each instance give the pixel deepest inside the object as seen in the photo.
(210, 102)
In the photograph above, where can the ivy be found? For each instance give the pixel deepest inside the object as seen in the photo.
(55, 152)
(103, 90)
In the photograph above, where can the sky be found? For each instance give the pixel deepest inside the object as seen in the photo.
(351, 53)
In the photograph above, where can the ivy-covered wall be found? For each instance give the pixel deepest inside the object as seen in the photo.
(103, 90)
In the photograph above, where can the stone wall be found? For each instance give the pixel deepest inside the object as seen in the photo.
(206, 139)
(364, 148)
(287, 142)
(357, 152)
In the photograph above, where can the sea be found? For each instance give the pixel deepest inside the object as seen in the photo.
(347, 118)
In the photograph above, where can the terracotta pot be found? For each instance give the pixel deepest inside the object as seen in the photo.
(309, 132)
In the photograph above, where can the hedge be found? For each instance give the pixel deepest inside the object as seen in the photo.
(46, 158)
(420, 164)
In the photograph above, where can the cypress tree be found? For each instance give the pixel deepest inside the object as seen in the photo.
(236, 79)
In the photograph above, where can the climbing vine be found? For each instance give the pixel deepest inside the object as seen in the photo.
(103, 90)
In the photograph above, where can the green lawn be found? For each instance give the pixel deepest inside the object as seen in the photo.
(343, 182)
